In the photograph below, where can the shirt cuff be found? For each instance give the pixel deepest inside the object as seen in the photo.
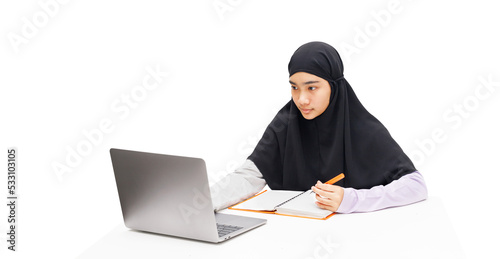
(349, 201)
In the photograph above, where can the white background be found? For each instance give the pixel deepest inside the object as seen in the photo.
(417, 62)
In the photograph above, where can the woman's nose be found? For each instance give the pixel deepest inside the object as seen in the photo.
(304, 99)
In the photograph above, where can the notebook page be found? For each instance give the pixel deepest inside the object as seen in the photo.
(267, 201)
(304, 205)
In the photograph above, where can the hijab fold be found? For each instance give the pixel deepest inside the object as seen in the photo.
(295, 152)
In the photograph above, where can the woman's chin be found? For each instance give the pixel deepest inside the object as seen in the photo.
(309, 116)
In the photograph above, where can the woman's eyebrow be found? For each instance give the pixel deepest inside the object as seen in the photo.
(306, 83)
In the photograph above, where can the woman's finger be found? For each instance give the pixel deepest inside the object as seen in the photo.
(326, 187)
(322, 192)
(326, 207)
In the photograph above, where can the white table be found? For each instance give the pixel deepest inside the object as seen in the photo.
(420, 230)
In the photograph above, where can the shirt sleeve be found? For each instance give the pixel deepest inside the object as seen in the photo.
(408, 189)
(237, 186)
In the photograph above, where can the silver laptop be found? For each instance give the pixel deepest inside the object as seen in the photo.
(170, 195)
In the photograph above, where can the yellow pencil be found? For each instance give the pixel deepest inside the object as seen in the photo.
(335, 179)
(332, 181)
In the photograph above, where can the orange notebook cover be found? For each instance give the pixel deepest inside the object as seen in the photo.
(286, 203)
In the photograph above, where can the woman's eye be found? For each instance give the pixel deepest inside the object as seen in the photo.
(312, 88)
(294, 87)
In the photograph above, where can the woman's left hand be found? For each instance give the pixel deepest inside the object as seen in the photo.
(328, 196)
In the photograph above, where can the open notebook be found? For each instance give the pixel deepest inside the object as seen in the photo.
(289, 203)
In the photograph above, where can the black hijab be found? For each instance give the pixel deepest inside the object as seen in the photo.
(294, 152)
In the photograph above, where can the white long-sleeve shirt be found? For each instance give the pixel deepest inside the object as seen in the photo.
(247, 180)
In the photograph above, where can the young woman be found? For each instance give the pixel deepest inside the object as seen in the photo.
(323, 131)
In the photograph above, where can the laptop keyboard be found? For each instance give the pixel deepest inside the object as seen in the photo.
(226, 229)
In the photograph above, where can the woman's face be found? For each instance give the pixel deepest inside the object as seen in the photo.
(310, 93)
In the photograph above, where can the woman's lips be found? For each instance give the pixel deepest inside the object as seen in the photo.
(306, 111)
